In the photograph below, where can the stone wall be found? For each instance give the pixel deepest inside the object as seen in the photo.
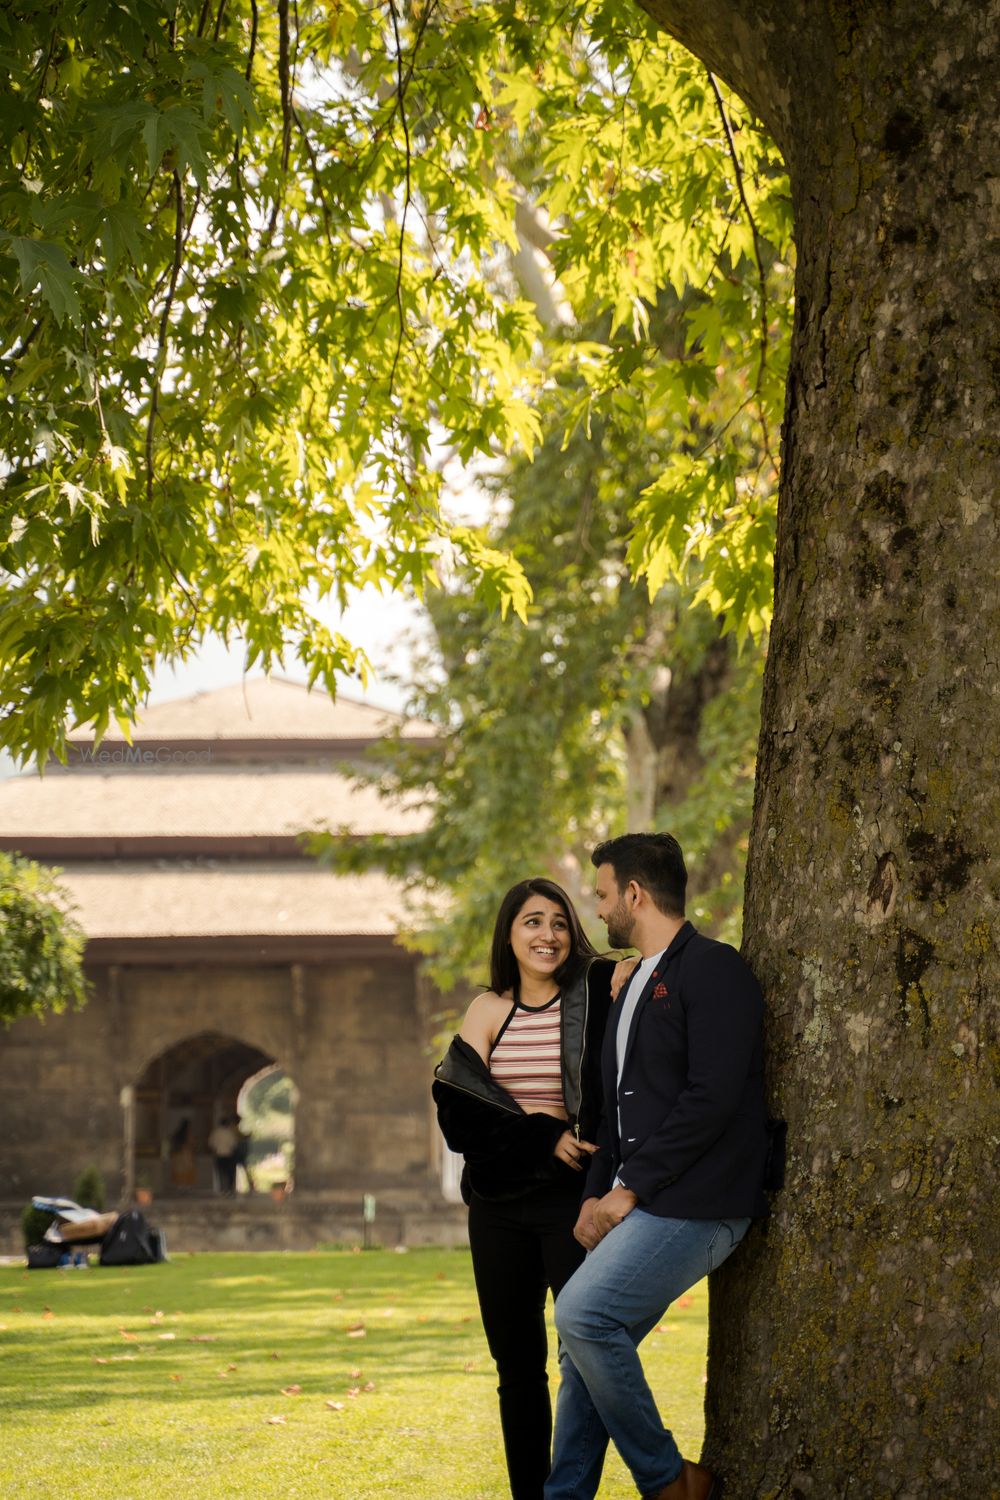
(351, 1033)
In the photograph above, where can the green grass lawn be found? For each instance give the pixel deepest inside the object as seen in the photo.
(270, 1377)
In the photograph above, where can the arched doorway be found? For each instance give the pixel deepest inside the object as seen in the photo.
(179, 1098)
(266, 1107)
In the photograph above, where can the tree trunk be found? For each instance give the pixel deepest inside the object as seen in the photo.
(855, 1340)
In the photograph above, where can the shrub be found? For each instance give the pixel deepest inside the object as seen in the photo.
(89, 1190)
(34, 1222)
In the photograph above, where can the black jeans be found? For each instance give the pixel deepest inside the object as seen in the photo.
(520, 1249)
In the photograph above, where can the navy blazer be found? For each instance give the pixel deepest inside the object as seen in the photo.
(693, 1123)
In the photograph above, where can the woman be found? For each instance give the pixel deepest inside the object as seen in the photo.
(518, 1094)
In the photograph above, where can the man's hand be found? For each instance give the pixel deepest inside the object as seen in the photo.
(583, 1229)
(610, 1210)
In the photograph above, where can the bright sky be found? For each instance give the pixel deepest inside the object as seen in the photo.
(383, 624)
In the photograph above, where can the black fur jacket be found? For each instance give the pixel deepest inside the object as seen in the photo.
(508, 1152)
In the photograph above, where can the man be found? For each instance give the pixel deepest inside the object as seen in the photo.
(677, 1177)
(223, 1142)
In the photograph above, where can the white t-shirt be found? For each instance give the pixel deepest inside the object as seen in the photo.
(627, 1003)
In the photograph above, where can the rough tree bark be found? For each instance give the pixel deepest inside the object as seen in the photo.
(854, 1343)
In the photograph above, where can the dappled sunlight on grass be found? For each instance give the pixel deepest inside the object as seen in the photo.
(321, 1376)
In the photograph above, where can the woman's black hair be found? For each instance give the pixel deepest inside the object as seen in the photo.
(504, 973)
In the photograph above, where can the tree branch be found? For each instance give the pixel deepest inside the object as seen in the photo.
(401, 106)
(161, 348)
(285, 84)
(758, 256)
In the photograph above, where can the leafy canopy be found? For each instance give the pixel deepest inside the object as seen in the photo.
(254, 294)
(542, 728)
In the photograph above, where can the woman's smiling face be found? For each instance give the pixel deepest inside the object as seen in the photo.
(539, 937)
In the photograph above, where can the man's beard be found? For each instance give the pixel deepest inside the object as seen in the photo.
(620, 925)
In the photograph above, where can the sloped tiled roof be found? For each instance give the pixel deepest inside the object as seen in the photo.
(292, 899)
(261, 708)
(134, 802)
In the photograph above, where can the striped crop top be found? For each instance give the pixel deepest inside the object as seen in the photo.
(526, 1056)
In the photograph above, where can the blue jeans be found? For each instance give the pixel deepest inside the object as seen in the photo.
(603, 1313)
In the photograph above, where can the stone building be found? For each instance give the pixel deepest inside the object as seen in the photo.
(218, 949)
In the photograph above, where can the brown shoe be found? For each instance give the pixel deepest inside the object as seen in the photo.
(693, 1483)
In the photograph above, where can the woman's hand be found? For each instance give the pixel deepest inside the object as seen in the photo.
(573, 1152)
(620, 975)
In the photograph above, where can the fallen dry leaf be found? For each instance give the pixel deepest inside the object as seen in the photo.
(196, 1338)
(354, 1374)
(334, 1405)
(369, 1385)
(684, 1301)
(291, 1390)
(357, 1333)
(47, 1314)
(275, 1356)
(468, 1367)
(355, 1390)
(101, 1361)
(277, 1421)
(126, 1335)
(176, 1377)
(166, 1335)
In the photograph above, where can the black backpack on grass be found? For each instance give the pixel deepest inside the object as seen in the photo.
(131, 1242)
(44, 1256)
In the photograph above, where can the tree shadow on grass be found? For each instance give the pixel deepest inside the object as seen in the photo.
(121, 1339)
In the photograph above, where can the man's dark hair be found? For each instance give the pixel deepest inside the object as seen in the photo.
(504, 973)
(652, 860)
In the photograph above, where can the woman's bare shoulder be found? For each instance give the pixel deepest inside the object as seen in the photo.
(483, 1020)
(488, 1004)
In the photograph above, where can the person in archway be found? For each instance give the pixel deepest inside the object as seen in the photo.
(183, 1167)
(518, 1096)
(242, 1152)
(224, 1142)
